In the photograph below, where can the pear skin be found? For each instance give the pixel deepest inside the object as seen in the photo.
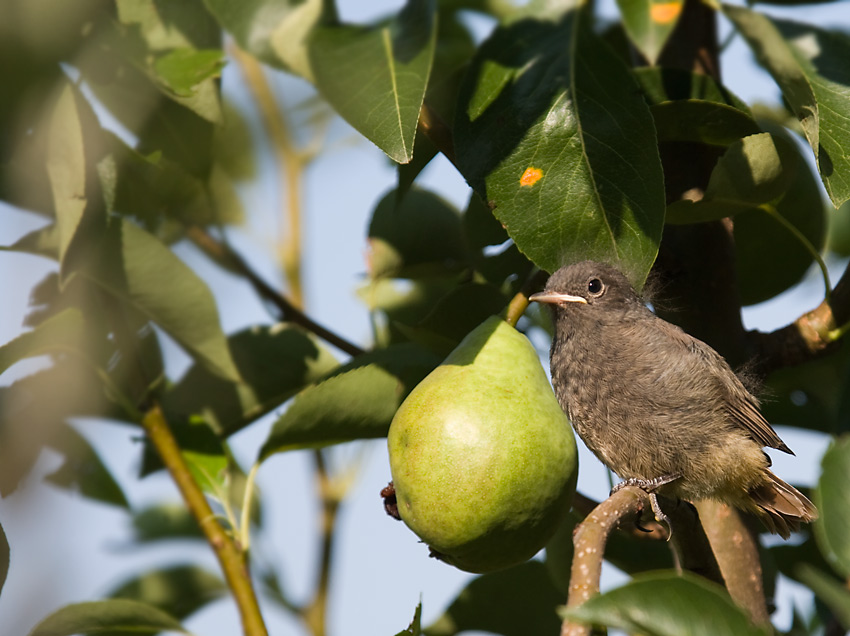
(483, 459)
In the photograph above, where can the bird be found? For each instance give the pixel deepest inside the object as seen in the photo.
(662, 409)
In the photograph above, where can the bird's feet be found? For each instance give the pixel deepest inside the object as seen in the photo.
(650, 486)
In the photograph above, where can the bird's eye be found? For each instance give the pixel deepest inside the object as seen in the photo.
(595, 286)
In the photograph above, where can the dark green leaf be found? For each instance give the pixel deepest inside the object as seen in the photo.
(421, 235)
(809, 64)
(178, 590)
(5, 556)
(832, 499)
(165, 522)
(415, 627)
(539, 136)
(274, 362)
(376, 77)
(455, 315)
(813, 395)
(662, 84)
(667, 604)
(138, 269)
(97, 617)
(356, 402)
(649, 23)
(82, 469)
(518, 601)
(789, 557)
(701, 122)
(59, 332)
(829, 590)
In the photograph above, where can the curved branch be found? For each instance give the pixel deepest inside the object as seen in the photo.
(690, 545)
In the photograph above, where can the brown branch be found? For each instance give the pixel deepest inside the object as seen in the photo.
(736, 551)
(226, 257)
(231, 558)
(808, 337)
(689, 544)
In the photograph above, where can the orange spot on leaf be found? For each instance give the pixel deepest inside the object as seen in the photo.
(530, 176)
(665, 12)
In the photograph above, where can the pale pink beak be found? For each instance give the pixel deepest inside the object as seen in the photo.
(555, 298)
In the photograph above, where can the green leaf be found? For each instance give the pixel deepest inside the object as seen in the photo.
(701, 122)
(5, 556)
(649, 23)
(375, 78)
(358, 401)
(421, 235)
(662, 84)
(183, 69)
(829, 590)
(809, 65)
(165, 522)
(274, 31)
(66, 167)
(82, 469)
(178, 591)
(667, 604)
(518, 601)
(59, 332)
(41, 242)
(415, 627)
(101, 616)
(173, 46)
(768, 256)
(274, 363)
(832, 499)
(754, 170)
(138, 269)
(539, 135)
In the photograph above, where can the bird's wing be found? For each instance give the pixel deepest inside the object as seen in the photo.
(741, 405)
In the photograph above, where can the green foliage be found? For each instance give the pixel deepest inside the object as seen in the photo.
(114, 134)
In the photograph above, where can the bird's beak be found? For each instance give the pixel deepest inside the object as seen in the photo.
(555, 298)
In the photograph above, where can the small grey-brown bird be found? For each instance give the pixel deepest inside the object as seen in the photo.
(660, 408)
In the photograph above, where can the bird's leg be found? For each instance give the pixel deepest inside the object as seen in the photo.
(650, 486)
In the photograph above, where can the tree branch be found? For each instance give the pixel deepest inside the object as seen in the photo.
(231, 558)
(689, 544)
(736, 551)
(227, 258)
(810, 336)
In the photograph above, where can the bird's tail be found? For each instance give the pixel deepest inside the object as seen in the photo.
(781, 507)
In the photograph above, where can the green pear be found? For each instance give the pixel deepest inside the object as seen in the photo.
(483, 459)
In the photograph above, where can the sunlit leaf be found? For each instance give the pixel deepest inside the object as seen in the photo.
(540, 137)
(102, 616)
(809, 65)
(375, 77)
(137, 268)
(649, 23)
(415, 627)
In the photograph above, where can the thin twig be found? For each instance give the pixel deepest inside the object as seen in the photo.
(230, 260)
(232, 560)
(291, 163)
